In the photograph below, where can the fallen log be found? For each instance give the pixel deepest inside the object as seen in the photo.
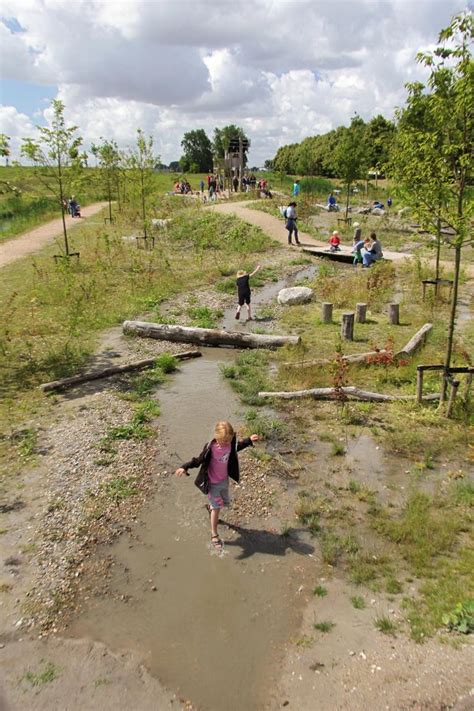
(350, 392)
(206, 336)
(107, 372)
(415, 342)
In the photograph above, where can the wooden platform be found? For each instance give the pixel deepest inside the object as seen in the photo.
(345, 257)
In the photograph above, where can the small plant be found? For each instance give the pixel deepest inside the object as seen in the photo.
(264, 426)
(204, 317)
(461, 619)
(354, 486)
(358, 602)
(305, 641)
(27, 440)
(331, 548)
(337, 449)
(120, 489)
(320, 591)
(167, 363)
(46, 676)
(325, 626)
(385, 625)
(393, 586)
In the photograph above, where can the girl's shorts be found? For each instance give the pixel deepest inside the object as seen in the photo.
(219, 495)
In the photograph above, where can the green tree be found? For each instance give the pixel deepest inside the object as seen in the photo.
(140, 163)
(433, 159)
(197, 152)
(351, 155)
(108, 157)
(57, 159)
(5, 146)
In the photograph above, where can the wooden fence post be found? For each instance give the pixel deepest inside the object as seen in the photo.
(361, 313)
(394, 314)
(452, 397)
(326, 312)
(347, 326)
(419, 385)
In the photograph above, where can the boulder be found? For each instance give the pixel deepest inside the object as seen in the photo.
(377, 211)
(295, 295)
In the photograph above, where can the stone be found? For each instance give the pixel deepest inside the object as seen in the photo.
(295, 295)
(377, 211)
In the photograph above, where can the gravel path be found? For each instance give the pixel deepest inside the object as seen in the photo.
(36, 239)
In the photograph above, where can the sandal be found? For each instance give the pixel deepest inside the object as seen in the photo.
(217, 543)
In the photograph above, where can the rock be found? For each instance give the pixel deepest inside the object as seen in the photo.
(377, 211)
(295, 295)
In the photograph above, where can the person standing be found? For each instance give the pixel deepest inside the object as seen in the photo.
(243, 292)
(296, 188)
(291, 218)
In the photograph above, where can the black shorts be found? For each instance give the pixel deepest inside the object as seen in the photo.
(244, 298)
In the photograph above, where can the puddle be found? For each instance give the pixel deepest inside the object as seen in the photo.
(211, 628)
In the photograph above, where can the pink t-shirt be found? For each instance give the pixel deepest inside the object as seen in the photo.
(218, 465)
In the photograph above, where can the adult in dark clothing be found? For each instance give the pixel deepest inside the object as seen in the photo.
(243, 291)
(290, 214)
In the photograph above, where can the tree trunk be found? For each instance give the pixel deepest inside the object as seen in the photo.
(107, 372)
(438, 250)
(347, 200)
(350, 392)
(361, 313)
(347, 326)
(394, 314)
(206, 336)
(326, 312)
(452, 318)
(415, 342)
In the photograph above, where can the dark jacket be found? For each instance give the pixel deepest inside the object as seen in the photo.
(202, 479)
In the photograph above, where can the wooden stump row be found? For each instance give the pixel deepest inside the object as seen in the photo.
(360, 316)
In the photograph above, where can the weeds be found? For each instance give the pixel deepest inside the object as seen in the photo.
(385, 625)
(325, 627)
(120, 489)
(48, 674)
(358, 602)
(248, 375)
(320, 591)
(204, 317)
(264, 426)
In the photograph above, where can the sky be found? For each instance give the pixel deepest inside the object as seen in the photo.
(282, 70)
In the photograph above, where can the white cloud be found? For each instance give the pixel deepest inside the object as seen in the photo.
(282, 69)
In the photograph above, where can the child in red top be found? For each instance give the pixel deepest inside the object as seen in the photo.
(335, 241)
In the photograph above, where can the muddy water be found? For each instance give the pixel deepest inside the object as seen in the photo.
(210, 627)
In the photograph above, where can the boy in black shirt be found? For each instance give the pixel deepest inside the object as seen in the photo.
(243, 291)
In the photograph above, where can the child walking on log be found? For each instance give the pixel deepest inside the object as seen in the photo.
(243, 291)
(218, 461)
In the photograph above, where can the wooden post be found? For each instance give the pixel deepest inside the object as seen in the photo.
(452, 397)
(419, 385)
(347, 326)
(467, 387)
(326, 312)
(394, 314)
(361, 313)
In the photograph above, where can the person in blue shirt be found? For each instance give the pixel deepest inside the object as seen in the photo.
(296, 188)
(332, 203)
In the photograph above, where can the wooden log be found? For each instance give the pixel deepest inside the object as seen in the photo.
(419, 386)
(361, 313)
(347, 326)
(394, 314)
(113, 370)
(351, 392)
(452, 397)
(415, 342)
(355, 358)
(326, 312)
(206, 336)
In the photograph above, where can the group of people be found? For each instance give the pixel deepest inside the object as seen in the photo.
(182, 187)
(72, 207)
(365, 251)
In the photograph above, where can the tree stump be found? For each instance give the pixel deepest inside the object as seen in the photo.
(394, 314)
(347, 326)
(326, 312)
(361, 313)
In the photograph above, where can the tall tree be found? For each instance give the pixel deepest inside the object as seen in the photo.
(57, 159)
(351, 155)
(197, 150)
(140, 163)
(108, 157)
(434, 162)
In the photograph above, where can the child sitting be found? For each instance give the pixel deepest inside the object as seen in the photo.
(335, 242)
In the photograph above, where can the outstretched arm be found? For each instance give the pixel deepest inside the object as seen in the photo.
(255, 270)
(192, 464)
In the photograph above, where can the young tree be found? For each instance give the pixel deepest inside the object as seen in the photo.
(108, 157)
(5, 146)
(197, 151)
(351, 155)
(56, 157)
(140, 163)
(434, 162)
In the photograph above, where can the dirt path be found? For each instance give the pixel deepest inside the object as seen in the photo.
(36, 239)
(275, 228)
